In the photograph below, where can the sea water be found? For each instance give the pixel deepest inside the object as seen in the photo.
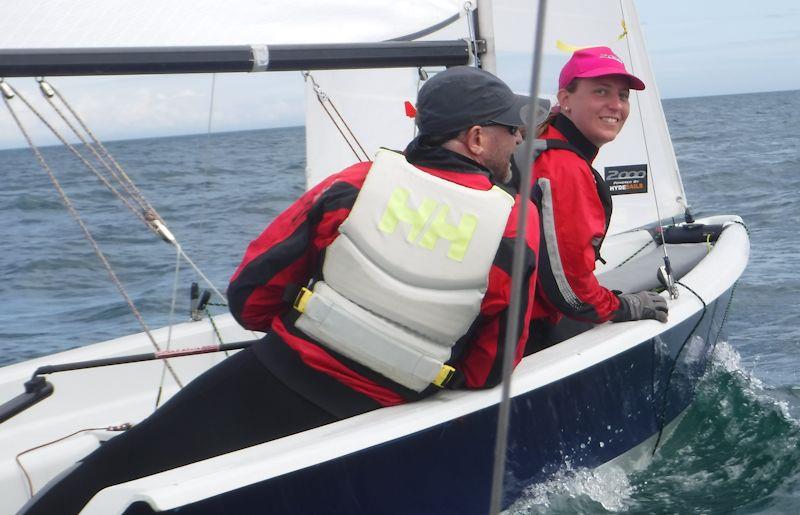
(737, 450)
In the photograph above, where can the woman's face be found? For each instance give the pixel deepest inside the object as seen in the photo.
(598, 107)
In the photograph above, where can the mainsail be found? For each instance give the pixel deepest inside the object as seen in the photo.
(120, 23)
(366, 109)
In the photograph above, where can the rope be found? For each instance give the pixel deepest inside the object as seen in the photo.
(146, 212)
(662, 413)
(636, 253)
(216, 329)
(171, 323)
(117, 171)
(121, 427)
(77, 153)
(733, 293)
(73, 212)
(325, 100)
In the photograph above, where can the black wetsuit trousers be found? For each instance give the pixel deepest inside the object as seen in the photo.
(234, 405)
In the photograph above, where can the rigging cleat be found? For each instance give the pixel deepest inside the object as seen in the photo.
(194, 296)
(204, 298)
(667, 280)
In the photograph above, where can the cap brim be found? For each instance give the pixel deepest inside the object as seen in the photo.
(635, 82)
(542, 110)
(514, 115)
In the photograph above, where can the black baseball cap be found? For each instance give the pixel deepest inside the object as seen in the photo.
(463, 96)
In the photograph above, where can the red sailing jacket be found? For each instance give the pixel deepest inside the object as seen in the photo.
(290, 250)
(577, 223)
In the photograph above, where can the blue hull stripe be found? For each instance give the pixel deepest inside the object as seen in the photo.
(585, 419)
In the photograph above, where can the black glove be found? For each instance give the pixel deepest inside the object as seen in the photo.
(642, 305)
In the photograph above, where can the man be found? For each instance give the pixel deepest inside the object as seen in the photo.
(397, 272)
(383, 284)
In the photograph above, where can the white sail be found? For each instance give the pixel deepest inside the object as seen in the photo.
(644, 139)
(121, 23)
(372, 103)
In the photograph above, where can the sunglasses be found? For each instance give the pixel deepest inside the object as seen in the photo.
(512, 129)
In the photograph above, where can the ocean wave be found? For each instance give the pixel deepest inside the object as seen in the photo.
(736, 450)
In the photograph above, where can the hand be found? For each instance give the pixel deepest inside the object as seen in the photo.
(642, 305)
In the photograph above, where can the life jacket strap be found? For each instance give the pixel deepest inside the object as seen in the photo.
(304, 296)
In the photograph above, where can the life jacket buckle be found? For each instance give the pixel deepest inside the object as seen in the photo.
(445, 375)
(301, 301)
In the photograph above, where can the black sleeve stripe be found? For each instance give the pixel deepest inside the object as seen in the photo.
(276, 259)
(496, 372)
(552, 278)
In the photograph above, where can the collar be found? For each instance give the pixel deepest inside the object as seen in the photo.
(421, 154)
(565, 126)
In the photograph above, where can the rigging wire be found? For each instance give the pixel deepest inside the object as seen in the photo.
(337, 120)
(97, 147)
(146, 212)
(171, 324)
(473, 40)
(517, 279)
(670, 279)
(74, 213)
(76, 152)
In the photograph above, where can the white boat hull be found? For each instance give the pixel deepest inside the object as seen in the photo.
(584, 401)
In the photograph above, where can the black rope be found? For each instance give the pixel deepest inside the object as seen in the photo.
(636, 253)
(747, 230)
(662, 413)
(216, 329)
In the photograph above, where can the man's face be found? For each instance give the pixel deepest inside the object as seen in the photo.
(598, 107)
(499, 144)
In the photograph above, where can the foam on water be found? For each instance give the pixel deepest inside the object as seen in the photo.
(736, 450)
(572, 490)
(726, 358)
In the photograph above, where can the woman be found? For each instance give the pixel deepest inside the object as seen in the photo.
(574, 200)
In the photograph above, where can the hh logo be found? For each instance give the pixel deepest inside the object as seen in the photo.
(433, 215)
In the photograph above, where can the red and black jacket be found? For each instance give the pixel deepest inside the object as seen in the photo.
(575, 209)
(290, 252)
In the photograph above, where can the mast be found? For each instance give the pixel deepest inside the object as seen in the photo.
(486, 33)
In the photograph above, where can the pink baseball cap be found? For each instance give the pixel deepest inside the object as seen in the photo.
(595, 62)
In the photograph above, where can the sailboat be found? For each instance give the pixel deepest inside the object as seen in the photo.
(604, 397)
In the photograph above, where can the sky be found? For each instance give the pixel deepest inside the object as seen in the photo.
(696, 47)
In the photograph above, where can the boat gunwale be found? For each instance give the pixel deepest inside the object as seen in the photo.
(276, 458)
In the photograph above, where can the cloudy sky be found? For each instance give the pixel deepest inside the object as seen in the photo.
(697, 48)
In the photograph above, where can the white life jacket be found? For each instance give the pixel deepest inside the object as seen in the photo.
(405, 278)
